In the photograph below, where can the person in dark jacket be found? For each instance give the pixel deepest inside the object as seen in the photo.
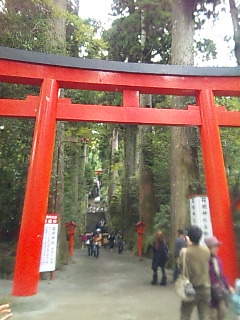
(111, 239)
(180, 243)
(160, 257)
(217, 278)
(120, 242)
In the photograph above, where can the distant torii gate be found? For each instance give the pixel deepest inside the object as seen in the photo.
(52, 72)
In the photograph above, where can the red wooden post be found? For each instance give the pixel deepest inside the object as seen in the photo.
(71, 229)
(26, 275)
(216, 182)
(140, 228)
(71, 246)
(139, 245)
(130, 98)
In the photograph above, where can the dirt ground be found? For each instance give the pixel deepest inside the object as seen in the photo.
(113, 287)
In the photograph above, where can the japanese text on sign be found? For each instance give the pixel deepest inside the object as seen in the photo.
(200, 214)
(49, 245)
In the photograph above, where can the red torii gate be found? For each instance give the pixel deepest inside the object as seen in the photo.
(52, 72)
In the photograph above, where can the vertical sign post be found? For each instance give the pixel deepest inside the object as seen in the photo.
(49, 245)
(200, 214)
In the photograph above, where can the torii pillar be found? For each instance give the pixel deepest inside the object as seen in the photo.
(37, 190)
(216, 183)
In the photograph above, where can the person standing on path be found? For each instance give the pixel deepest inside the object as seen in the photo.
(197, 260)
(111, 239)
(160, 257)
(179, 244)
(97, 241)
(217, 277)
(120, 242)
(90, 244)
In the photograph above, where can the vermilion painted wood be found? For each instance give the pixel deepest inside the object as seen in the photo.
(130, 98)
(216, 183)
(47, 109)
(107, 114)
(26, 73)
(116, 114)
(130, 115)
(19, 108)
(26, 274)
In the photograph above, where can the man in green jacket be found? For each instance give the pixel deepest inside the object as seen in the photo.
(197, 259)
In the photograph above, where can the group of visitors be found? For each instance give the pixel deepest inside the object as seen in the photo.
(94, 240)
(204, 270)
(118, 239)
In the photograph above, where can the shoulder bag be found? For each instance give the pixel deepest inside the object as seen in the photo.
(218, 290)
(183, 286)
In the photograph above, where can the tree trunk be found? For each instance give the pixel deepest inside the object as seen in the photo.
(236, 28)
(75, 180)
(56, 197)
(58, 39)
(130, 185)
(113, 174)
(184, 168)
(147, 201)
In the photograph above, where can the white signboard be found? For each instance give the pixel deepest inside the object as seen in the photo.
(200, 215)
(49, 245)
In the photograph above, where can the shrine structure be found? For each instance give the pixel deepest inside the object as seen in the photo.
(52, 72)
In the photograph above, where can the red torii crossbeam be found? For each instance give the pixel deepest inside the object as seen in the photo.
(52, 72)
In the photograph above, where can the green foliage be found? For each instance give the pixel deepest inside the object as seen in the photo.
(24, 25)
(231, 148)
(15, 145)
(207, 48)
(115, 208)
(162, 219)
(157, 155)
(124, 37)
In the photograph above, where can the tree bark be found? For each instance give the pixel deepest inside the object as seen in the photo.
(129, 186)
(58, 39)
(113, 174)
(147, 200)
(75, 180)
(184, 168)
(236, 28)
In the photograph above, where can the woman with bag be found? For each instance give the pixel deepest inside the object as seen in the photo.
(160, 257)
(219, 284)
